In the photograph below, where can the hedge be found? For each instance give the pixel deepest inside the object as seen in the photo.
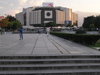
(80, 31)
(79, 38)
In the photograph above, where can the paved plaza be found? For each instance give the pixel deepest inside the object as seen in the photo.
(40, 44)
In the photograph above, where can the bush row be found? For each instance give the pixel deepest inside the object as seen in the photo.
(80, 31)
(79, 38)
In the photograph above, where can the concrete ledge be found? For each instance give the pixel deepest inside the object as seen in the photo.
(97, 48)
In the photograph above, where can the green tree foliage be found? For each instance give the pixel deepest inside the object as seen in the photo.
(16, 24)
(88, 20)
(11, 18)
(50, 24)
(10, 24)
(97, 22)
(97, 44)
(13, 24)
(91, 20)
(91, 26)
(69, 25)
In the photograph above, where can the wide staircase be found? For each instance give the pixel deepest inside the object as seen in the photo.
(50, 65)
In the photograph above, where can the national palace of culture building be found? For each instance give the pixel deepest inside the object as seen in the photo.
(38, 16)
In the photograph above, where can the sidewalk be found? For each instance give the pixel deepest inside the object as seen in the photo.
(40, 44)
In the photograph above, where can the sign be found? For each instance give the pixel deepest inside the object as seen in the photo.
(1, 17)
(47, 4)
(47, 21)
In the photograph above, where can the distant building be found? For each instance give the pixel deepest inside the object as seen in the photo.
(20, 17)
(74, 19)
(38, 16)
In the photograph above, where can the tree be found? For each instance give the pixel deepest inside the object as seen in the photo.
(50, 24)
(91, 20)
(16, 25)
(91, 26)
(13, 24)
(11, 18)
(10, 24)
(3, 23)
(87, 21)
(97, 22)
(69, 25)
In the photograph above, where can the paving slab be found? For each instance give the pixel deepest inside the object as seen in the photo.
(40, 51)
(40, 44)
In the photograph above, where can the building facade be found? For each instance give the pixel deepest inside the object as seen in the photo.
(38, 16)
(74, 19)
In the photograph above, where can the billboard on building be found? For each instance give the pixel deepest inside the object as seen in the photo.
(47, 4)
(1, 17)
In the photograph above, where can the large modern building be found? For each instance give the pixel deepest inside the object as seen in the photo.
(38, 16)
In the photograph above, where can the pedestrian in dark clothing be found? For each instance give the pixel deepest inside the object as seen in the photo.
(21, 32)
(39, 30)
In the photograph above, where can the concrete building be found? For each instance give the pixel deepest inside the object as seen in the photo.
(68, 14)
(60, 17)
(20, 17)
(75, 19)
(41, 15)
(24, 16)
(38, 16)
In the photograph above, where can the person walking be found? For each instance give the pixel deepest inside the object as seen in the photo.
(21, 32)
(39, 30)
(47, 31)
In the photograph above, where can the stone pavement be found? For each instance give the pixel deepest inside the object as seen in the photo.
(40, 44)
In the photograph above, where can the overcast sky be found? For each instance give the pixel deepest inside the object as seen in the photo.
(14, 6)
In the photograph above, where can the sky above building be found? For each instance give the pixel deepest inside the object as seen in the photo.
(14, 6)
(11, 7)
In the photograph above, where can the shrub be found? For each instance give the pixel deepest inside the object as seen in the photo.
(79, 38)
(79, 31)
(56, 29)
(97, 44)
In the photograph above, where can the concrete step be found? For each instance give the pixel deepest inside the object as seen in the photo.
(49, 67)
(49, 56)
(48, 61)
(53, 72)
